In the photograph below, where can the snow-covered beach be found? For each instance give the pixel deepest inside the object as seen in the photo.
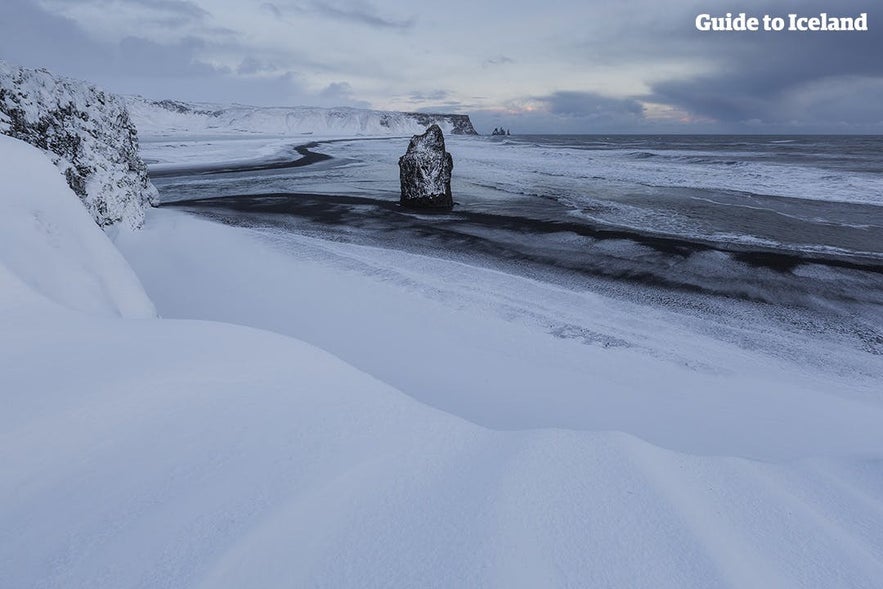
(317, 406)
(360, 294)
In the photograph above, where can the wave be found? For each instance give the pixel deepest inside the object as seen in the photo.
(568, 169)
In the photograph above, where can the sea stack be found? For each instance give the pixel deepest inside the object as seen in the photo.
(425, 172)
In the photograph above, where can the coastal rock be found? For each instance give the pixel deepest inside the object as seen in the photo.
(88, 135)
(456, 124)
(425, 172)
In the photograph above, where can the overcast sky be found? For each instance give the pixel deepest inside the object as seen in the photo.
(583, 66)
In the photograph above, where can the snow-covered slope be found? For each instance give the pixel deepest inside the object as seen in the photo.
(240, 458)
(185, 453)
(88, 135)
(50, 246)
(168, 117)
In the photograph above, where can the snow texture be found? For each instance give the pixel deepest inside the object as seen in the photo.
(240, 457)
(88, 135)
(191, 453)
(168, 117)
(425, 171)
(48, 243)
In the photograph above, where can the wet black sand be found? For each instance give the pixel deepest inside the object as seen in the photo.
(568, 249)
(351, 211)
(829, 292)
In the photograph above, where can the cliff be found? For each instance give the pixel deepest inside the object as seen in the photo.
(88, 135)
(170, 117)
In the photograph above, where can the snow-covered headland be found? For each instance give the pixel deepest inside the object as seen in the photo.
(178, 134)
(313, 411)
(175, 118)
(87, 133)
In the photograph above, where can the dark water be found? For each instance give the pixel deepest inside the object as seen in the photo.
(788, 222)
(822, 194)
(838, 153)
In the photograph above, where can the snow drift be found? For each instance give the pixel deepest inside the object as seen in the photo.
(184, 453)
(50, 247)
(88, 135)
(169, 117)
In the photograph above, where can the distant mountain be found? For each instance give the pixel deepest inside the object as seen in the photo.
(171, 117)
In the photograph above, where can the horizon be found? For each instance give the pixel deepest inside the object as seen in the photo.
(569, 68)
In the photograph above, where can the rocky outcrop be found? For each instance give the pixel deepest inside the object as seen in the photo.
(425, 172)
(459, 124)
(89, 137)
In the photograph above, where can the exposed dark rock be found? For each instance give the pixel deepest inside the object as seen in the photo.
(460, 124)
(181, 107)
(88, 135)
(425, 172)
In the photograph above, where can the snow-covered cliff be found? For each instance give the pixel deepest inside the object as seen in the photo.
(181, 118)
(88, 135)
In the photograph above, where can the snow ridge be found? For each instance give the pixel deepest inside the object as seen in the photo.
(50, 250)
(88, 135)
(165, 117)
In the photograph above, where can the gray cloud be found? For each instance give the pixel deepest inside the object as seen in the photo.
(183, 8)
(454, 107)
(568, 112)
(497, 60)
(363, 14)
(271, 8)
(175, 11)
(785, 80)
(173, 14)
(350, 11)
(155, 60)
(341, 94)
(136, 65)
(432, 95)
(692, 81)
(590, 105)
(250, 65)
(23, 23)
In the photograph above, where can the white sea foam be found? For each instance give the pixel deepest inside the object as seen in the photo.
(531, 168)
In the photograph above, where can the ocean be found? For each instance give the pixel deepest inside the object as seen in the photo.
(790, 222)
(808, 193)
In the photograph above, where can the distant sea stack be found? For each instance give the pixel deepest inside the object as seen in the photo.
(87, 134)
(425, 172)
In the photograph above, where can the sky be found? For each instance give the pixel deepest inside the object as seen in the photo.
(556, 66)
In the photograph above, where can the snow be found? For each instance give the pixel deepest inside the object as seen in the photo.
(49, 242)
(237, 457)
(192, 452)
(88, 135)
(176, 135)
(511, 353)
(180, 119)
(163, 154)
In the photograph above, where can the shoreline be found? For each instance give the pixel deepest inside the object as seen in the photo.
(534, 238)
(703, 285)
(319, 207)
(307, 158)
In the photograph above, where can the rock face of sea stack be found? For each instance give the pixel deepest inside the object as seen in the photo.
(425, 172)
